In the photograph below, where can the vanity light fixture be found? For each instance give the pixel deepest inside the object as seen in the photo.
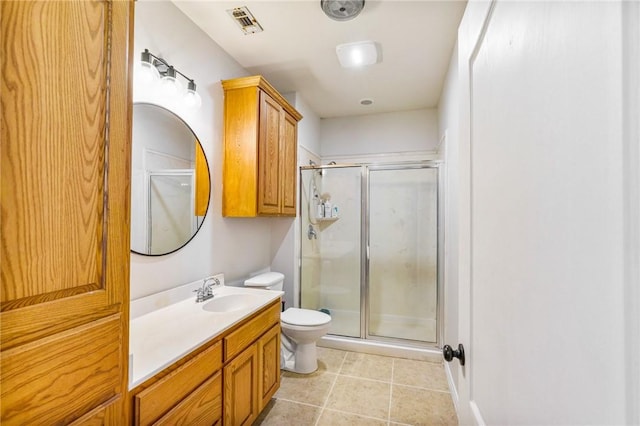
(153, 68)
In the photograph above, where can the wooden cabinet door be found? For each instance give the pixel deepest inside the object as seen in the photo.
(269, 365)
(240, 397)
(269, 155)
(64, 252)
(289, 160)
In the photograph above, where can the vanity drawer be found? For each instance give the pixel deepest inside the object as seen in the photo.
(235, 342)
(202, 407)
(162, 396)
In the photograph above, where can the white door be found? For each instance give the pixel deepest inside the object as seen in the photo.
(549, 213)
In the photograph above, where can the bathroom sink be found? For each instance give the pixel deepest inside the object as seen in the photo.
(231, 302)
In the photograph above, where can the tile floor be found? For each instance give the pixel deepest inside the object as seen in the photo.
(360, 389)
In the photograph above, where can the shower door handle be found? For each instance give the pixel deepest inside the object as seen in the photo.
(449, 354)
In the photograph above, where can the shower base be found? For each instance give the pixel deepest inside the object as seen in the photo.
(375, 347)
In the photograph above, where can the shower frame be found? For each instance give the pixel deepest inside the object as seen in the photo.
(365, 246)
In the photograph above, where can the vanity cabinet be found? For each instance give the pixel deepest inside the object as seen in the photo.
(227, 382)
(260, 150)
(192, 391)
(241, 388)
(253, 376)
(268, 365)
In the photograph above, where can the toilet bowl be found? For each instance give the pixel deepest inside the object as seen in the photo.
(301, 328)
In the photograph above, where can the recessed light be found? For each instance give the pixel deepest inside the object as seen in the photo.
(366, 102)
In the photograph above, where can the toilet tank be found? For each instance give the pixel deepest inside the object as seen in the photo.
(268, 280)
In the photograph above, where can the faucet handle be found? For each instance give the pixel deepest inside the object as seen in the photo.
(199, 294)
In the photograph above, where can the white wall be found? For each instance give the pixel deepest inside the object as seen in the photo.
(234, 246)
(286, 231)
(448, 122)
(413, 131)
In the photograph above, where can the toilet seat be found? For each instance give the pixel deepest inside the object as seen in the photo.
(304, 317)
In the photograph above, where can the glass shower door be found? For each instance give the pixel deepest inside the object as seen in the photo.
(330, 272)
(403, 253)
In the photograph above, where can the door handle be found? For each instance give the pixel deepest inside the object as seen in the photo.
(449, 354)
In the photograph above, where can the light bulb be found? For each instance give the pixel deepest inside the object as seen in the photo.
(170, 85)
(192, 99)
(146, 73)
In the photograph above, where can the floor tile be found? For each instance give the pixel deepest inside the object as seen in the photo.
(423, 374)
(308, 388)
(421, 407)
(286, 413)
(367, 366)
(360, 396)
(330, 359)
(339, 418)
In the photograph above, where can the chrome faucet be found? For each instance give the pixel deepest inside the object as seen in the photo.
(206, 292)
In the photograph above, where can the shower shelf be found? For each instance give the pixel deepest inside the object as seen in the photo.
(327, 219)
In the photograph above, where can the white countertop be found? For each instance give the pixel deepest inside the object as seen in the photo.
(159, 337)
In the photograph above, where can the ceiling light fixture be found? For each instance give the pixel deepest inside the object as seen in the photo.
(358, 54)
(153, 69)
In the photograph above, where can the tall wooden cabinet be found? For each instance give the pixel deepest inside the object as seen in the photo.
(260, 150)
(64, 249)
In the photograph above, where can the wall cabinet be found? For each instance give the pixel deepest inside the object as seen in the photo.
(260, 150)
(229, 381)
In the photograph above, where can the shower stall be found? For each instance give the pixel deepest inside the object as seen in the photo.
(369, 252)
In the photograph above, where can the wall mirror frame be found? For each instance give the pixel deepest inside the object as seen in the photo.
(170, 181)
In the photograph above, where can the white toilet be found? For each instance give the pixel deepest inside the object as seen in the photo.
(301, 328)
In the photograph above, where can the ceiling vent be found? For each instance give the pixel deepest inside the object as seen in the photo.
(245, 20)
(342, 10)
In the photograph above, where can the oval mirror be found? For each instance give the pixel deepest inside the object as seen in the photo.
(169, 181)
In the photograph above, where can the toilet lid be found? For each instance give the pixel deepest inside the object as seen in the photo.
(295, 316)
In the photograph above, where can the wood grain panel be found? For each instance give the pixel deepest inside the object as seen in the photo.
(48, 157)
(269, 167)
(65, 164)
(236, 341)
(240, 152)
(289, 165)
(98, 416)
(118, 186)
(37, 321)
(202, 407)
(240, 389)
(57, 379)
(153, 402)
(269, 365)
